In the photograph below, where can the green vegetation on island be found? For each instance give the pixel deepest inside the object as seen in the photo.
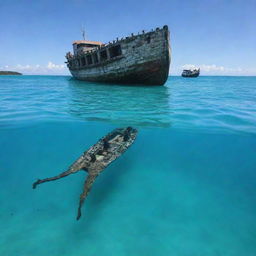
(9, 73)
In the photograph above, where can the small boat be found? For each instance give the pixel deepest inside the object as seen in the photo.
(190, 72)
(137, 59)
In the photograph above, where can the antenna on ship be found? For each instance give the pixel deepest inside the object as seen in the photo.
(83, 32)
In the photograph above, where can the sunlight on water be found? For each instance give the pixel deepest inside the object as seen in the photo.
(186, 186)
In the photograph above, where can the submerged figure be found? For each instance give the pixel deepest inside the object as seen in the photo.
(97, 158)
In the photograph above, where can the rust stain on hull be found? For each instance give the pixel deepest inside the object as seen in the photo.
(151, 73)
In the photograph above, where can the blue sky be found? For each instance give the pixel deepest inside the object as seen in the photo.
(217, 35)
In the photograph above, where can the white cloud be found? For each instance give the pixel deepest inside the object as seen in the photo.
(49, 69)
(53, 66)
(60, 69)
(220, 70)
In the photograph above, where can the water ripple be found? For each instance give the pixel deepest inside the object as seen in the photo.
(208, 103)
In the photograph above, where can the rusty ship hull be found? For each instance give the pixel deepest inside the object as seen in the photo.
(137, 59)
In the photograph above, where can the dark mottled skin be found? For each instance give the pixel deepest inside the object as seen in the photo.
(97, 158)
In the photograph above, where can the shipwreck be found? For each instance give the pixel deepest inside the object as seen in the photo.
(97, 158)
(137, 59)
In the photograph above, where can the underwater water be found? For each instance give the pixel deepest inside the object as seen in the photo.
(186, 187)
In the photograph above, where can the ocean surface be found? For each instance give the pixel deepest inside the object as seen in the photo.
(187, 186)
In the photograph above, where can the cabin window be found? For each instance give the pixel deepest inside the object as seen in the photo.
(83, 61)
(103, 55)
(86, 45)
(89, 59)
(148, 39)
(80, 45)
(115, 51)
(95, 57)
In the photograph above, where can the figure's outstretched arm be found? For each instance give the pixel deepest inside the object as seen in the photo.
(87, 187)
(79, 164)
(63, 174)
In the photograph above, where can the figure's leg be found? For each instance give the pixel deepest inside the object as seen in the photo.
(63, 174)
(87, 187)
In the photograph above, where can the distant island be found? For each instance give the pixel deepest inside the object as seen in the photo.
(9, 73)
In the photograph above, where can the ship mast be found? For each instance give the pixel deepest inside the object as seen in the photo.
(83, 32)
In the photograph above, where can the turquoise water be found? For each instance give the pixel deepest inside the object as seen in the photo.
(186, 187)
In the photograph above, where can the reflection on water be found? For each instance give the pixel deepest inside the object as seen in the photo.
(126, 105)
(206, 103)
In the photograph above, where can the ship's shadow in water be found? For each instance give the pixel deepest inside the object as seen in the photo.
(120, 104)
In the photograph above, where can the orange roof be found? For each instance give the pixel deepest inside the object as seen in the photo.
(86, 42)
